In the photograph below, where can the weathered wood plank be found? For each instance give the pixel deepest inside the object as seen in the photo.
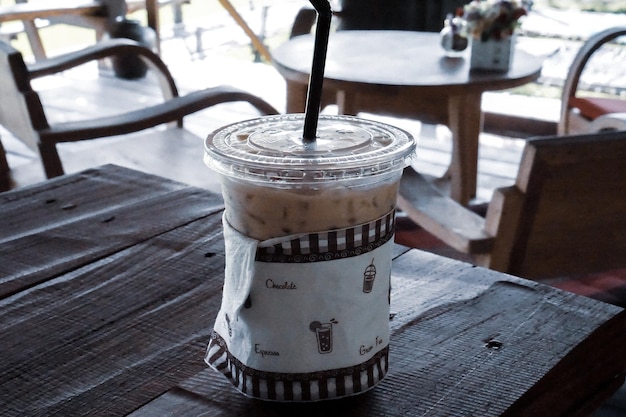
(127, 332)
(517, 337)
(111, 330)
(443, 217)
(114, 184)
(471, 344)
(70, 228)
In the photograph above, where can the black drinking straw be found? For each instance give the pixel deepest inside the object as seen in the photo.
(316, 80)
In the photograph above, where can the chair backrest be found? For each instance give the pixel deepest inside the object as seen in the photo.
(571, 122)
(21, 111)
(422, 15)
(567, 212)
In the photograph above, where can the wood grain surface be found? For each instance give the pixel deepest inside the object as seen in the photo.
(111, 280)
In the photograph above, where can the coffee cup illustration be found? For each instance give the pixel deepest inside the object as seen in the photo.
(368, 277)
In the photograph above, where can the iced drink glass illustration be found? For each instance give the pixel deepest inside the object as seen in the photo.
(323, 335)
(324, 338)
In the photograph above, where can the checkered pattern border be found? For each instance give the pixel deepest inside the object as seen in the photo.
(312, 386)
(331, 245)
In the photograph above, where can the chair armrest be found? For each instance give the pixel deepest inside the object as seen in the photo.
(171, 110)
(105, 49)
(574, 73)
(441, 216)
(611, 121)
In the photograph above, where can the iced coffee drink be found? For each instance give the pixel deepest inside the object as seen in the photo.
(308, 231)
(320, 186)
(264, 212)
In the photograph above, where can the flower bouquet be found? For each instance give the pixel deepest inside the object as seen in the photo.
(491, 25)
(492, 19)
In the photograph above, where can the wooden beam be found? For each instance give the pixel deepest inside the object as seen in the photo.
(43, 9)
(256, 42)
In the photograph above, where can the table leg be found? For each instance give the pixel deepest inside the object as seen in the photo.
(296, 97)
(34, 39)
(465, 121)
(152, 13)
(346, 103)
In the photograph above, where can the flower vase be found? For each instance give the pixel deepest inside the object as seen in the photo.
(453, 37)
(492, 54)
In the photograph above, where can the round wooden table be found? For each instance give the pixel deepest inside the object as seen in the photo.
(404, 74)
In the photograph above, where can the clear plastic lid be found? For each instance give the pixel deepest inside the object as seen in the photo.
(271, 149)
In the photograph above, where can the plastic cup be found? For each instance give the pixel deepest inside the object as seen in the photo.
(303, 313)
(274, 184)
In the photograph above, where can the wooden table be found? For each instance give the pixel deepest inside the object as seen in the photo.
(110, 281)
(405, 74)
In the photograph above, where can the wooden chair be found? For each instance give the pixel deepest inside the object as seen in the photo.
(422, 15)
(23, 114)
(584, 114)
(565, 215)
